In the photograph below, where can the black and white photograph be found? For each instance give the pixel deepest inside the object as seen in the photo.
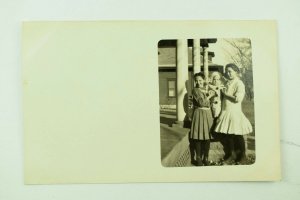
(200, 105)
(206, 101)
(149, 100)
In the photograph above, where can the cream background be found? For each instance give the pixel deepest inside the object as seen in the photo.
(91, 101)
(11, 130)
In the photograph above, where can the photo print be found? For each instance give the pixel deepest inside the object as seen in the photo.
(206, 100)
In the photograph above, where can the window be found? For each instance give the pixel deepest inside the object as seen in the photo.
(171, 88)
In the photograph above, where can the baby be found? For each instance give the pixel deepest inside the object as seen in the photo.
(215, 87)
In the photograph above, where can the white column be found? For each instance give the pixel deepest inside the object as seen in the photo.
(182, 77)
(205, 62)
(196, 56)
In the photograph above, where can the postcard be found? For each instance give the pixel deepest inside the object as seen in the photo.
(150, 101)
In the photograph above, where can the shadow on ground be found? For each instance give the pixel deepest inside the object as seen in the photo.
(167, 121)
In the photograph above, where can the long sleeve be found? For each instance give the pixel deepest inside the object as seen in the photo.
(200, 99)
(240, 91)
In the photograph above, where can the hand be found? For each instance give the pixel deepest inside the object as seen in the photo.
(227, 95)
(221, 87)
(223, 91)
(211, 93)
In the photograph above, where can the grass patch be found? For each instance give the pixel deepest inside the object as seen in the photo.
(248, 109)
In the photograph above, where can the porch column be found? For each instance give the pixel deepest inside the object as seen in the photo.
(205, 62)
(182, 77)
(196, 56)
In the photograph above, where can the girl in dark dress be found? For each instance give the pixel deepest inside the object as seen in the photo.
(202, 120)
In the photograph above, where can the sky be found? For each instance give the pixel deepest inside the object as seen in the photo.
(220, 54)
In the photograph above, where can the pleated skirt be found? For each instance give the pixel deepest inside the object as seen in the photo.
(202, 122)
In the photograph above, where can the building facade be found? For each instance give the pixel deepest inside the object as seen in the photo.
(178, 61)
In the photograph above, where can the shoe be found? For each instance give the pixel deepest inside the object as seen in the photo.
(206, 162)
(194, 162)
(231, 160)
(199, 162)
(226, 156)
(242, 160)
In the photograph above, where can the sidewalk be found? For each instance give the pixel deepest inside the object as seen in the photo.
(175, 148)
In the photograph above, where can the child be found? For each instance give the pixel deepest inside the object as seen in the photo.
(216, 87)
(202, 120)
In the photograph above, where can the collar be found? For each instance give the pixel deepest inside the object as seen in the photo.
(203, 89)
(230, 82)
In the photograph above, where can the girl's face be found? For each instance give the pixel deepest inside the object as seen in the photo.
(216, 80)
(199, 81)
(231, 73)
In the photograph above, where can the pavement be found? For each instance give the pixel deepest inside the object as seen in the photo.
(175, 147)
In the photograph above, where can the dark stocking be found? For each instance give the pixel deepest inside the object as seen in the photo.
(192, 151)
(206, 144)
(224, 139)
(199, 152)
(240, 147)
(230, 139)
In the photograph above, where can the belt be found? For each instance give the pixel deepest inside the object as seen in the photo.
(203, 108)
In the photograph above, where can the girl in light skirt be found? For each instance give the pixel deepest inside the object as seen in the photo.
(232, 122)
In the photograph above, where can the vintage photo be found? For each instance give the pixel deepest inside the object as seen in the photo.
(141, 101)
(206, 100)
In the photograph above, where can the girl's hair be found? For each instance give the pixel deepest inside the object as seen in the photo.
(199, 74)
(232, 66)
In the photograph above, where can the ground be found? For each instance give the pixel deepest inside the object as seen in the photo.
(175, 144)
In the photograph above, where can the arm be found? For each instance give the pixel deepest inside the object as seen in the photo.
(238, 95)
(201, 99)
(227, 95)
(215, 89)
(240, 92)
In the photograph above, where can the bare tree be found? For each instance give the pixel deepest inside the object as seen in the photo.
(239, 52)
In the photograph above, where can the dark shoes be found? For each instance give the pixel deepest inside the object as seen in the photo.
(226, 156)
(206, 162)
(241, 160)
(199, 162)
(229, 159)
(194, 162)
